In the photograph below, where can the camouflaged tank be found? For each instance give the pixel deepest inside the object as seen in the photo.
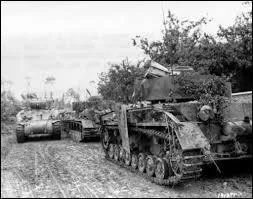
(79, 128)
(82, 123)
(169, 142)
(37, 120)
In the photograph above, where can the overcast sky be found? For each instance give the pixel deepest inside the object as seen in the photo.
(74, 41)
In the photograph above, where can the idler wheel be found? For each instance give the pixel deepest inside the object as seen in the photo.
(128, 159)
(162, 169)
(134, 161)
(111, 151)
(142, 162)
(150, 168)
(116, 152)
(122, 154)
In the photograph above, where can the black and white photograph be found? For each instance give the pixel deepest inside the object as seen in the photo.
(126, 99)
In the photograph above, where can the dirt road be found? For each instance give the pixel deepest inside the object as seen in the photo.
(68, 169)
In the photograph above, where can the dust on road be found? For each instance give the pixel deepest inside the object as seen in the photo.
(68, 169)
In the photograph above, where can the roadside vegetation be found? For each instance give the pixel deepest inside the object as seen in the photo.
(227, 55)
(10, 106)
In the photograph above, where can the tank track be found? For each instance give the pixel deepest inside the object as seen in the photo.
(20, 133)
(56, 131)
(171, 181)
(191, 163)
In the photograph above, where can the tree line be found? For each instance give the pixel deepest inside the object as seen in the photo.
(228, 54)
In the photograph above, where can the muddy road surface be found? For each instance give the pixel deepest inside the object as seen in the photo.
(64, 168)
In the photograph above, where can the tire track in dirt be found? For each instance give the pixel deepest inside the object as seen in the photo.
(51, 173)
(82, 171)
(72, 161)
(36, 167)
(111, 176)
(39, 178)
(7, 189)
(31, 177)
(35, 172)
(16, 167)
(109, 180)
(112, 180)
(76, 178)
(25, 184)
(107, 176)
(64, 176)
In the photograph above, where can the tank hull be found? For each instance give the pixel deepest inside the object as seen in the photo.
(81, 129)
(160, 144)
(37, 119)
(51, 128)
(39, 127)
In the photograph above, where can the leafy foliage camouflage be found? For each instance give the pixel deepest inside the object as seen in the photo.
(92, 108)
(118, 83)
(209, 89)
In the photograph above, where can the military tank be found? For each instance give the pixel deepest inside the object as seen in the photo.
(37, 119)
(169, 139)
(82, 123)
(79, 128)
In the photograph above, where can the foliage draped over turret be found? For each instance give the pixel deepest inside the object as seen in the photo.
(209, 90)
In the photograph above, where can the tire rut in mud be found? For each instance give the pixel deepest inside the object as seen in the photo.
(105, 178)
(71, 159)
(61, 176)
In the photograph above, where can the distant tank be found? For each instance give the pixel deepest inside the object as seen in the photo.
(37, 119)
(82, 123)
(79, 128)
(168, 138)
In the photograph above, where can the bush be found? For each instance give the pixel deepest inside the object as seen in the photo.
(208, 90)
(9, 106)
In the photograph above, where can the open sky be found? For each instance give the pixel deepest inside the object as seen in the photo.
(74, 41)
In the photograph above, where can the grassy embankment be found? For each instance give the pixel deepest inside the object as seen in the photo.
(7, 137)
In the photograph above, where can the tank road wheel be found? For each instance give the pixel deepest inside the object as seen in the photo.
(116, 152)
(20, 133)
(105, 139)
(142, 162)
(134, 161)
(176, 163)
(122, 154)
(128, 159)
(111, 151)
(162, 169)
(150, 168)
